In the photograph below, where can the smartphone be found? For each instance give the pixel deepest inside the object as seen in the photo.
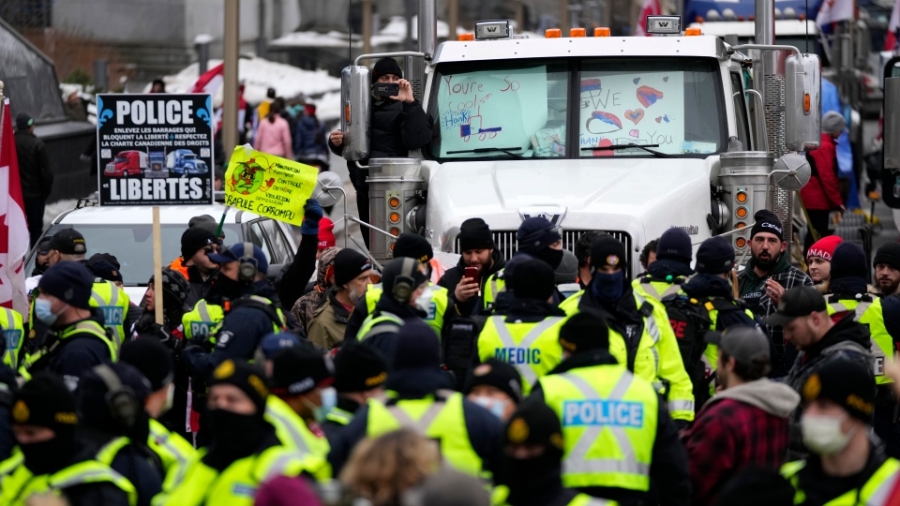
(387, 89)
(471, 273)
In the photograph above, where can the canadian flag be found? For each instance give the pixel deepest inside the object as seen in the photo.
(650, 8)
(14, 239)
(833, 11)
(893, 31)
(210, 81)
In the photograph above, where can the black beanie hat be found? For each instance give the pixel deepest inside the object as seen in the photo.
(386, 66)
(534, 279)
(889, 254)
(44, 401)
(416, 347)
(584, 332)
(413, 246)
(535, 234)
(109, 257)
(348, 264)
(535, 423)
(69, 282)
(194, 239)
(175, 286)
(608, 251)
(249, 378)
(358, 368)
(846, 383)
(301, 369)
(497, 374)
(151, 357)
(715, 256)
(675, 245)
(766, 221)
(402, 267)
(474, 233)
(93, 397)
(848, 261)
(105, 270)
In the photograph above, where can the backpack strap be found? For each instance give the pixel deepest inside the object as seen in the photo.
(253, 302)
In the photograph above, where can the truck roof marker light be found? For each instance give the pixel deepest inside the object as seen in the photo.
(577, 32)
(602, 31)
(692, 32)
(699, 19)
(466, 37)
(740, 242)
(751, 18)
(553, 33)
(807, 103)
(801, 17)
(741, 18)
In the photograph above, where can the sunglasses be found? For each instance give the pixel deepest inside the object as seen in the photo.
(211, 249)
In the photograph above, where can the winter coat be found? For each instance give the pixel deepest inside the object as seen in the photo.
(329, 322)
(310, 139)
(34, 166)
(454, 275)
(274, 138)
(847, 340)
(305, 307)
(741, 427)
(822, 193)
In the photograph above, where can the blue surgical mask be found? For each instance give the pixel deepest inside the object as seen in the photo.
(329, 402)
(495, 406)
(43, 309)
(608, 287)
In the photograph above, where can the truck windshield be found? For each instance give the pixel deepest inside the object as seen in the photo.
(120, 159)
(521, 108)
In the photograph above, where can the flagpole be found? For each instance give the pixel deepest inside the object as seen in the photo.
(2, 99)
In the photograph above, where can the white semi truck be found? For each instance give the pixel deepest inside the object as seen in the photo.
(627, 135)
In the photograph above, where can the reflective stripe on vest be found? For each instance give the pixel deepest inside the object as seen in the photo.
(437, 306)
(653, 292)
(174, 460)
(649, 323)
(203, 320)
(423, 422)
(21, 484)
(577, 461)
(869, 313)
(502, 331)
(108, 452)
(113, 309)
(14, 333)
(875, 491)
(381, 324)
(495, 286)
(283, 421)
(339, 416)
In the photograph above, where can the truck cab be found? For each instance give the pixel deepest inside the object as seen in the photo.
(157, 165)
(184, 162)
(127, 163)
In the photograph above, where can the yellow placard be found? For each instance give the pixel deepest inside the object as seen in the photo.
(268, 185)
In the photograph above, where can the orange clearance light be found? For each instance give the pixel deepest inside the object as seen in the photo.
(553, 33)
(347, 113)
(394, 217)
(740, 242)
(601, 31)
(690, 32)
(806, 103)
(741, 212)
(698, 19)
(741, 197)
(740, 225)
(394, 231)
(465, 37)
(391, 246)
(802, 17)
(394, 202)
(577, 32)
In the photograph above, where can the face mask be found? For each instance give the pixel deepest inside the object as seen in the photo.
(329, 401)
(822, 434)
(423, 302)
(48, 456)
(495, 406)
(553, 257)
(43, 309)
(608, 287)
(230, 429)
(227, 287)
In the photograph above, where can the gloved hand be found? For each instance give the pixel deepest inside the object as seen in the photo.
(312, 213)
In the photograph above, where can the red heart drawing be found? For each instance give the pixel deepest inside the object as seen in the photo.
(635, 116)
(658, 119)
(635, 133)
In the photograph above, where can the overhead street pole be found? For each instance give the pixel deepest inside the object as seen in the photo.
(231, 48)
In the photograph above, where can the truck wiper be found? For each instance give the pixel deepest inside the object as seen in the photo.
(630, 145)
(508, 151)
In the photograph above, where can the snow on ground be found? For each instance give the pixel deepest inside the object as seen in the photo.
(259, 74)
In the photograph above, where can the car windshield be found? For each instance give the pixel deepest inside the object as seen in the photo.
(514, 109)
(132, 245)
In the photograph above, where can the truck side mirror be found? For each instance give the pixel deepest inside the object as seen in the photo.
(791, 172)
(356, 102)
(803, 103)
(329, 188)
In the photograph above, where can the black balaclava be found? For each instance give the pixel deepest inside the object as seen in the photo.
(534, 481)
(46, 402)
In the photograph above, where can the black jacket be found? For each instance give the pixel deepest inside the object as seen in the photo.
(292, 282)
(454, 275)
(134, 461)
(34, 166)
(623, 316)
(669, 478)
(385, 342)
(8, 387)
(708, 286)
(819, 488)
(73, 355)
(396, 128)
(485, 430)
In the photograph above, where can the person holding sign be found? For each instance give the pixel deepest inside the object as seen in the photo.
(398, 125)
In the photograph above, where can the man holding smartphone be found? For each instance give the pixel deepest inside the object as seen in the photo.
(398, 125)
(479, 259)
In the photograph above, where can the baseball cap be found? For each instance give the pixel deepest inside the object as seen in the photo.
(68, 242)
(746, 344)
(234, 254)
(796, 302)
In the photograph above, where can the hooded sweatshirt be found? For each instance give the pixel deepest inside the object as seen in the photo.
(745, 426)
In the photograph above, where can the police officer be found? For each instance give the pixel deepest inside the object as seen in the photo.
(849, 466)
(849, 296)
(13, 327)
(154, 361)
(619, 439)
(252, 307)
(115, 428)
(244, 450)
(197, 243)
(404, 281)
(52, 460)
(477, 250)
(302, 395)
(469, 436)
(436, 298)
(527, 335)
(537, 238)
(533, 448)
(670, 270)
(78, 341)
(108, 296)
(359, 375)
(8, 388)
(640, 335)
(496, 386)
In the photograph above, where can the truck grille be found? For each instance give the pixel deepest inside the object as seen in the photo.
(505, 240)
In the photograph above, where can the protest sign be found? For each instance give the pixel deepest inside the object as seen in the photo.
(268, 185)
(155, 149)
